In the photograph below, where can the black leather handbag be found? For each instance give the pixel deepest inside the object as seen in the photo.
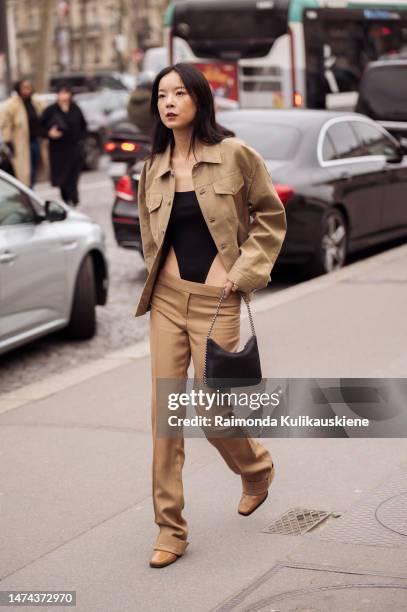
(227, 369)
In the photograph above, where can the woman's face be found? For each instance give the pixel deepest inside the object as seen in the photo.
(64, 96)
(174, 98)
(26, 89)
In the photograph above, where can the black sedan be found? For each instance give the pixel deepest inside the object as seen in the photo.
(341, 176)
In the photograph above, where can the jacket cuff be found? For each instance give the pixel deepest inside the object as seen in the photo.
(243, 284)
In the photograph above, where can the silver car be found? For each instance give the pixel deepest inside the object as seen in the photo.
(53, 267)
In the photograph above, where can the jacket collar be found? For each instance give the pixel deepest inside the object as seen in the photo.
(210, 153)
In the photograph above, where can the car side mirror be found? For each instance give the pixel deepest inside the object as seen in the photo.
(403, 145)
(394, 155)
(54, 211)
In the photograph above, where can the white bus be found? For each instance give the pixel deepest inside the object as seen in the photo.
(285, 53)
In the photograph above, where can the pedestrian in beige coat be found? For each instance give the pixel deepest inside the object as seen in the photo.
(20, 128)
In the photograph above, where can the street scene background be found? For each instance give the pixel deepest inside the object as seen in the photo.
(319, 89)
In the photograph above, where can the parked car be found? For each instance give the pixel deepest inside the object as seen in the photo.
(89, 81)
(383, 95)
(102, 110)
(53, 267)
(125, 146)
(125, 216)
(342, 178)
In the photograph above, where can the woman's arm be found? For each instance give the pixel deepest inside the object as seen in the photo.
(267, 231)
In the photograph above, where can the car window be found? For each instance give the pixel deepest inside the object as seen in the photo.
(376, 142)
(14, 205)
(380, 95)
(110, 82)
(273, 141)
(328, 149)
(344, 141)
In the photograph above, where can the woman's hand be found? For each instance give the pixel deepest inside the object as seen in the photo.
(54, 132)
(228, 287)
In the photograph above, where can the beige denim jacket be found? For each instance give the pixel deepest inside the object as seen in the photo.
(232, 184)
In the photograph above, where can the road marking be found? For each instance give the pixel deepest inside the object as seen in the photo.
(58, 382)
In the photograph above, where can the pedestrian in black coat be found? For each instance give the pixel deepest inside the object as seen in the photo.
(66, 128)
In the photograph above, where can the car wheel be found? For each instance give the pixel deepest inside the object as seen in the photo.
(92, 153)
(82, 324)
(330, 254)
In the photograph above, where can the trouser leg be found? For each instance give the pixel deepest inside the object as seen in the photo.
(65, 194)
(243, 454)
(34, 161)
(74, 179)
(170, 357)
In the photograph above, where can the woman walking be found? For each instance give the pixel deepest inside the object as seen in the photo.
(65, 127)
(195, 191)
(21, 130)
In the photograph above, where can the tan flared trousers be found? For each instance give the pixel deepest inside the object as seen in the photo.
(181, 312)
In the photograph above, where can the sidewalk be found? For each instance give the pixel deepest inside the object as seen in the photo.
(76, 508)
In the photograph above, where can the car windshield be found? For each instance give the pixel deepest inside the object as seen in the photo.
(271, 140)
(378, 91)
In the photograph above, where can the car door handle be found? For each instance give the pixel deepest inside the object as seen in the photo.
(69, 243)
(346, 176)
(7, 257)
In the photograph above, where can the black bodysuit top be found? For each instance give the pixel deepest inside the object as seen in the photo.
(188, 233)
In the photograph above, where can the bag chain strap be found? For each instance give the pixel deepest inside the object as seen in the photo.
(217, 310)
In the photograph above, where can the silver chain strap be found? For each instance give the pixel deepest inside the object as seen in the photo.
(213, 323)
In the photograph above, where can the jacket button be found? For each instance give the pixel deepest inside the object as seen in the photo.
(202, 191)
(211, 219)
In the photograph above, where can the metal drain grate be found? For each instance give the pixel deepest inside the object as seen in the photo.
(297, 521)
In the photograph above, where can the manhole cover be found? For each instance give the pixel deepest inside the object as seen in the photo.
(392, 513)
(297, 521)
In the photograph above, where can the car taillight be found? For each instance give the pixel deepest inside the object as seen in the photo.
(130, 147)
(285, 192)
(124, 188)
(110, 146)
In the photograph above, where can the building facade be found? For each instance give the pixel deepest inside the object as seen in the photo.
(86, 34)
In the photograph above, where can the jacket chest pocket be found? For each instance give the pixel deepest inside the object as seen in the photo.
(229, 204)
(228, 195)
(154, 201)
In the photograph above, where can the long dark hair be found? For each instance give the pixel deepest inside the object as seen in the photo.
(204, 126)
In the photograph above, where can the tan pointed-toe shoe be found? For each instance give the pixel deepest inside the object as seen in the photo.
(249, 503)
(161, 558)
